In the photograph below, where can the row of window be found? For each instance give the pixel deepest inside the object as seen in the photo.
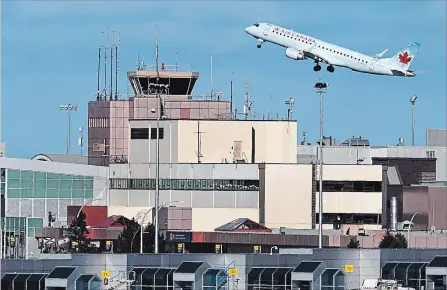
(351, 186)
(49, 193)
(186, 184)
(98, 122)
(322, 47)
(350, 218)
(26, 174)
(50, 184)
(143, 133)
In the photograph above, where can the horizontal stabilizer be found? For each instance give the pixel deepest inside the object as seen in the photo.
(379, 55)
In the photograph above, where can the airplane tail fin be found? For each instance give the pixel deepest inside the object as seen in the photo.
(405, 57)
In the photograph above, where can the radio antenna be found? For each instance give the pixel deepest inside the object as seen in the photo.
(117, 63)
(111, 70)
(156, 54)
(105, 62)
(99, 71)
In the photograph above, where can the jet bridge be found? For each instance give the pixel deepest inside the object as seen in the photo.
(307, 275)
(269, 278)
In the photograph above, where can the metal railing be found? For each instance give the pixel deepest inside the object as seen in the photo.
(166, 67)
(118, 159)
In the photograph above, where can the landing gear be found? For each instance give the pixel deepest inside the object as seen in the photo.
(330, 69)
(317, 67)
(259, 45)
(260, 42)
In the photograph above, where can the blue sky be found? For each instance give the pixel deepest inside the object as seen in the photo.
(49, 58)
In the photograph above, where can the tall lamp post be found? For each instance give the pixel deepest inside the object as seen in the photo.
(321, 89)
(413, 103)
(409, 227)
(68, 108)
(157, 89)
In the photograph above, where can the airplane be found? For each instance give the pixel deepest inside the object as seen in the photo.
(300, 47)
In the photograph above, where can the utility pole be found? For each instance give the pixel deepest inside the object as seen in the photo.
(321, 89)
(68, 108)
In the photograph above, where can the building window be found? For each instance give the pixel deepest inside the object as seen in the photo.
(351, 186)
(186, 184)
(34, 184)
(139, 133)
(430, 154)
(154, 133)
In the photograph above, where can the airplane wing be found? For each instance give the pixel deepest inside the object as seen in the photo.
(318, 56)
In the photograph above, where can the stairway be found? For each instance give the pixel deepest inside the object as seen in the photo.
(124, 279)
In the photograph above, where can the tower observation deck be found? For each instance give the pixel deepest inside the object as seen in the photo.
(179, 78)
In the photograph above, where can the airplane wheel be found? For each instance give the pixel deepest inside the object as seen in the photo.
(330, 69)
(317, 68)
(258, 46)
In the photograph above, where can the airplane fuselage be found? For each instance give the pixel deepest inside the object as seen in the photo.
(300, 46)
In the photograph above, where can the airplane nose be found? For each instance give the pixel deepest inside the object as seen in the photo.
(247, 29)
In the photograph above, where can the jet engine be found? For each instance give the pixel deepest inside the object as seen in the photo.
(294, 54)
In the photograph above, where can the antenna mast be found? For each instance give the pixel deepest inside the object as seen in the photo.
(117, 44)
(247, 105)
(199, 143)
(156, 55)
(176, 60)
(211, 78)
(105, 62)
(231, 96)
(99, 72)
(111, 69)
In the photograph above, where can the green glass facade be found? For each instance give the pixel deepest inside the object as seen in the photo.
(18, 224)
(35, 184)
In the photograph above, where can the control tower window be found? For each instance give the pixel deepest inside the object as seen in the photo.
(154, 133)
(139, 133)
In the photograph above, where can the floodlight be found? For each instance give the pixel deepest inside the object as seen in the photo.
(320, 85)
(413, 99)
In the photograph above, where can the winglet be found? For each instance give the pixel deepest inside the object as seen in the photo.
(379, 55)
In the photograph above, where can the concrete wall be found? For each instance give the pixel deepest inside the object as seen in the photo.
(350, 155)
(223, 205)
(431, 201)
(351, 202)
(266, 141)
(286, 196)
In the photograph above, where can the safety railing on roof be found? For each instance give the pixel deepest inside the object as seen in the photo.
(166, 67)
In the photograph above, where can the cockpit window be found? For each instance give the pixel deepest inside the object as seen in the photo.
(256, 24)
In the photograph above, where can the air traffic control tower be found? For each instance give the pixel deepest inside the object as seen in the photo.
(109, 115)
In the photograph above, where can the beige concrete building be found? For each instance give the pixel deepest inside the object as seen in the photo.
(214, 141)
(276, 195)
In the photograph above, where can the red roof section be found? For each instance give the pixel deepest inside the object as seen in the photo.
(114, 221)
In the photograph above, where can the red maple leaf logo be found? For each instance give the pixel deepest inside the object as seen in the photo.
(404, 58)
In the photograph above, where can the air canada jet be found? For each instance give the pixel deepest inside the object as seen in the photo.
(300, 47)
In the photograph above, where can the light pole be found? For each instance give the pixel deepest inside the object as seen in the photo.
(273, 248)
(413, 103)
(157, 89)
(142, 227)
(68, 108)
(409, 227)
(321, 89)
(88, 202)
